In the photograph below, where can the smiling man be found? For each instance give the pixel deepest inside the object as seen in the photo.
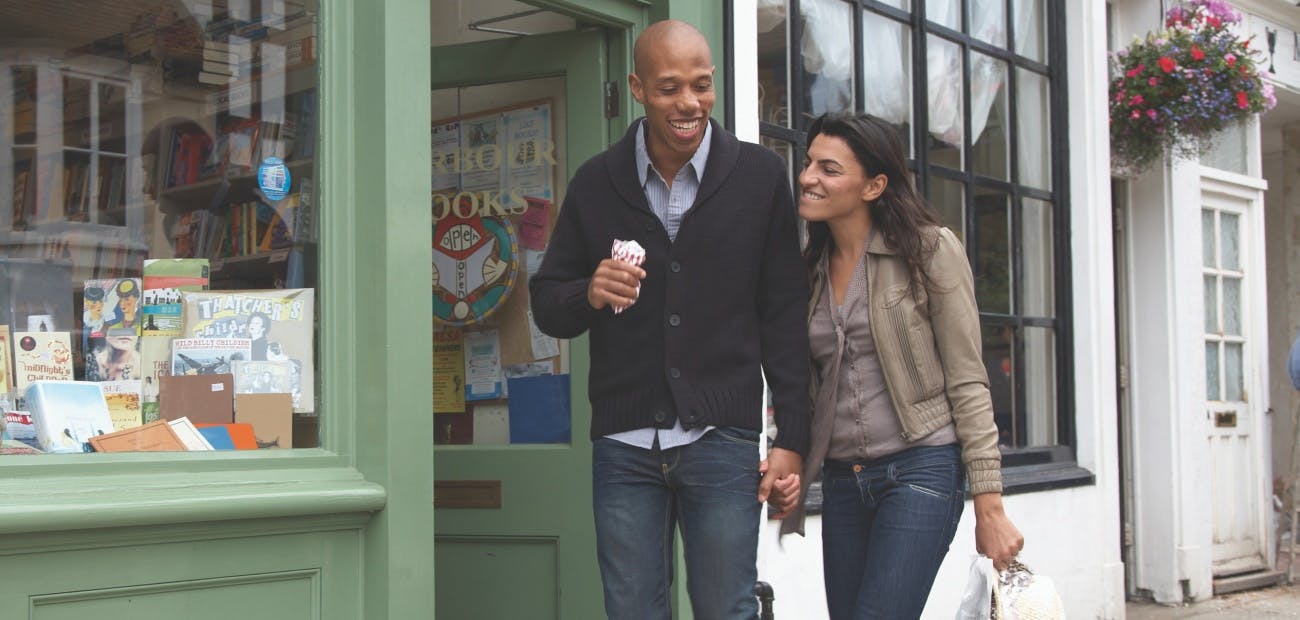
(676, 380)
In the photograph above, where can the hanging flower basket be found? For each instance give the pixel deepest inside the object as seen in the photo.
(1171, 93)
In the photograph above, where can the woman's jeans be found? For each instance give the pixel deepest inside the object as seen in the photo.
(709, 491)
(886, 526)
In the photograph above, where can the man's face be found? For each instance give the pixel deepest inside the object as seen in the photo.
(675, 84)
(256, 328)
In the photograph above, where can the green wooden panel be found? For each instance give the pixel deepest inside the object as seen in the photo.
(254, 597)
(557, 477)
(529, 565)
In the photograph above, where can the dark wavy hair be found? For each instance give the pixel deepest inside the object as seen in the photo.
(900, 214)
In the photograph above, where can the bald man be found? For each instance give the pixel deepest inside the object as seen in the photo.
(676, 379)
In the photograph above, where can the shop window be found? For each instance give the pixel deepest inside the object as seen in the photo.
(974, 88)
(158, 245)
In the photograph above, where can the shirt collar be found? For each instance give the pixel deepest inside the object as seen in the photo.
(697, 161)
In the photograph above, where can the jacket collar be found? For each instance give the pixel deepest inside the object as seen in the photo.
(724, 150)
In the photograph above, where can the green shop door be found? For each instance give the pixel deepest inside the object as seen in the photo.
(513, 527)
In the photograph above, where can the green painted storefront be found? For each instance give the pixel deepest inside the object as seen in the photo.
(350, 530)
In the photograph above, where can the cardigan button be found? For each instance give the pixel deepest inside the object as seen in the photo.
(674, 320)
(650, 227)
(660, 416)
(675, 266)
(674, 373)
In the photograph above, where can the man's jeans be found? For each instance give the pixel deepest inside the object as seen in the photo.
(886, 526)
(709, 489)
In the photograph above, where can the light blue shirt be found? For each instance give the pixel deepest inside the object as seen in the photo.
(669, 205)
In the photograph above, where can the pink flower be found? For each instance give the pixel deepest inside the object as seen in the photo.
(1135, 101)
(1167, 64)
(1151, 114)
(1135, 71)
(1230, 58)
(1153, 81)
(1197, 54)
(1135, 115)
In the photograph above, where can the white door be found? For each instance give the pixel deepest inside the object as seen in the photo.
(1233, 315)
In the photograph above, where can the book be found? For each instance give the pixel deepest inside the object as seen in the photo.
(156, 360)
(6, 361)
(208, 356)
(109, 303)
(18, 425)
(163, 282)
(204, 399)
(67, 414)
(189, 435)
(41, 356)
(155, 436)
(35, 294)
(114, 357)
(279, 322)
(262, 377)
(271, 416)
(238, 436)
(124, 400)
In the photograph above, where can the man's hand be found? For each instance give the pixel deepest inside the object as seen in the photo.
(781, 481)
(614, 283)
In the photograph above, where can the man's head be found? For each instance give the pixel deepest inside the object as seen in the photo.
(257, 323)
(673, 80)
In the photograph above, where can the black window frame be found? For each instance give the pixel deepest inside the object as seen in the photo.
(1025, 469)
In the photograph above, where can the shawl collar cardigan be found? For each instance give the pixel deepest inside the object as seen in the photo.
(720, 307)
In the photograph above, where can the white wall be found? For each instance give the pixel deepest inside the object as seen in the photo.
(1072, 535)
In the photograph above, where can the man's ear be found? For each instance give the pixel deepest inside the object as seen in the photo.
(875, 187)
(634, 85)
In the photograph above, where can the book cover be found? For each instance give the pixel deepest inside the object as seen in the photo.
(262, 377)
(156, 359)
(110, 303)
(217, 436)
(41, 356)
(208, 356)
(114, 357)
(18, 425)
(189, 435)
(124, 400)
(67, 414)
(207, 399)
(241, 435)
(270, 415)
(163, 281)
(279, 322)
(6, 361)
(152, 437)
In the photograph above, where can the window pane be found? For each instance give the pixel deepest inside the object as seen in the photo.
(899, 4)
(887, 68)
(161, 224)
(1211, 305)
(1230, 241)
(1212, 370)
(491, 362)
(988, 21)
(944, 12)
(1037, 257)
(999, 363)
(827, 57)
(1228, 151)
(1030, 25)
(1208, 238)
(1232, 306)
(773, 63)
(992, 253)
(1033, 130)
(1040, 385)
(988, 93)
(948, 199)
(1232, 377)
(945, 97)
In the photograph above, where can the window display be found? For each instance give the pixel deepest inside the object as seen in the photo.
(158, 252)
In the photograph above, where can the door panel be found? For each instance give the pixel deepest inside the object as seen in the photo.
(534, 538)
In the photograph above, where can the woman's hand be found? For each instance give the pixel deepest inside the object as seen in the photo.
(995, 535)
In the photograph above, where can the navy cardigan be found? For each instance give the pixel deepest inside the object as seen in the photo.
(721, 305)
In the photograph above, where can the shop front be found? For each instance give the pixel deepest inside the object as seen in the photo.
(229, 394)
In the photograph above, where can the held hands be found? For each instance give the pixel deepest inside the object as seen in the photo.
(780, 486)
(614, 284)
(995, 535)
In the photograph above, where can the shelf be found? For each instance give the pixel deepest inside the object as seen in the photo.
(215, 191)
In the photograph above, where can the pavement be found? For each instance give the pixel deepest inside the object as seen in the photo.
(1281, 601)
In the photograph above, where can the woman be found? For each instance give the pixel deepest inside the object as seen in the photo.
(902, 414)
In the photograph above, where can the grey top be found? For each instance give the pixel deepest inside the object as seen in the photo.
(866, 425)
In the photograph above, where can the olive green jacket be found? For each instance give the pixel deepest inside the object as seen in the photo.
(930, 354)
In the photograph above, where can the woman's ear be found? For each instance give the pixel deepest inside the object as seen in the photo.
(874, 187)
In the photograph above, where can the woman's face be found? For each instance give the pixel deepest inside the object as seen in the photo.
(833, 184)
(122, 342)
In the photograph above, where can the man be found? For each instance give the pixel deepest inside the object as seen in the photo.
(676, 379)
